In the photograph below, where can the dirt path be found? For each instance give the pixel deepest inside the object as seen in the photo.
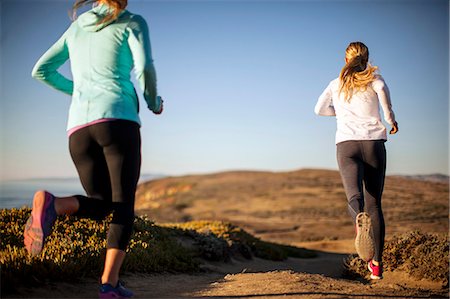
(319, 277)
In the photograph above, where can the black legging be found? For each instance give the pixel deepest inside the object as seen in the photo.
(108, 159)
(365, 162)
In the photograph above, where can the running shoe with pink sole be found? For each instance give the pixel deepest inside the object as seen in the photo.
(40, 223)
(376, 272)
(364, 241)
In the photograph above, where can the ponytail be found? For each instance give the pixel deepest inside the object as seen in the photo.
(357, 72)
(117, 6)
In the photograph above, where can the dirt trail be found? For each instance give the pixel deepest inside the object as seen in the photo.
(319, 277)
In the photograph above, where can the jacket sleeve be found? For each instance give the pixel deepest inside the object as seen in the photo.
(324, 104)
(384, 97)
(46, 68)
(139, 42)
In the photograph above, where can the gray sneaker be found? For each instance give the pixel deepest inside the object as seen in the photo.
(40, 223)
(364, 242)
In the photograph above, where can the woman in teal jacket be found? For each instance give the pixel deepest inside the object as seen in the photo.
(104, 44)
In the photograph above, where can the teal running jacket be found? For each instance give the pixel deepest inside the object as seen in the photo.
(101, 59)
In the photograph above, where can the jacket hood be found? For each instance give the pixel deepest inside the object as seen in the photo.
(90, 19)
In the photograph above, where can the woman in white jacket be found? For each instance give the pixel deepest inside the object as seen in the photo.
(355, 98)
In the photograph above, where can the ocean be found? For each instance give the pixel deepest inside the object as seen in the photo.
(19, 193)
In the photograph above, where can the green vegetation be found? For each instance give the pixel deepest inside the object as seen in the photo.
(234, 240)
(76, 248)
(418, 254)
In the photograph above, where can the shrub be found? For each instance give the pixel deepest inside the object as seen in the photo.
(238, 241)
(420, 255)
(76, 248)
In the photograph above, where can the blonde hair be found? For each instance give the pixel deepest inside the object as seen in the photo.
(117, 7)
(357, 73)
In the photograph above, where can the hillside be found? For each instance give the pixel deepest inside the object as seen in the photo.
(290, 207)
(179, 258)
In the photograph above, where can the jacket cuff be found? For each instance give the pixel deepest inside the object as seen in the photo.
(158, 103)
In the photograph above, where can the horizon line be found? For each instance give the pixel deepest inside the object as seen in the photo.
(157, 175)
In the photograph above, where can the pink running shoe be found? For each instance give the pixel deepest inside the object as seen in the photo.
(40, 223)
(376, 272)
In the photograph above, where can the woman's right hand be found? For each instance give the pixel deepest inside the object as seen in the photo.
(394, 128)
(161, 107)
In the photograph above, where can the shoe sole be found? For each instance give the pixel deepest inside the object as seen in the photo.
(118, 292)
(109, 295)
(374, 277)
(364, 243)
(34, 232)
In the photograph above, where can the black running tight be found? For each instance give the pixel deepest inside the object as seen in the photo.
(362, 165)
(107, 157)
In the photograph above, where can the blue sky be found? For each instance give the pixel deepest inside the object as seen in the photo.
(240, 80)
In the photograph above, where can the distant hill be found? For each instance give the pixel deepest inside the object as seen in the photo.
(436, 177)
(303, 205)
(144, 177)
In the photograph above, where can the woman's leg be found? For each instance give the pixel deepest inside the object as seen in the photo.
(93, 172)
(122, 150)
(66, 205)
(351, 170)
(113, 263)
(374, 175)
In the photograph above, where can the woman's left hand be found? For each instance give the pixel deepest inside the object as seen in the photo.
(394, 128)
